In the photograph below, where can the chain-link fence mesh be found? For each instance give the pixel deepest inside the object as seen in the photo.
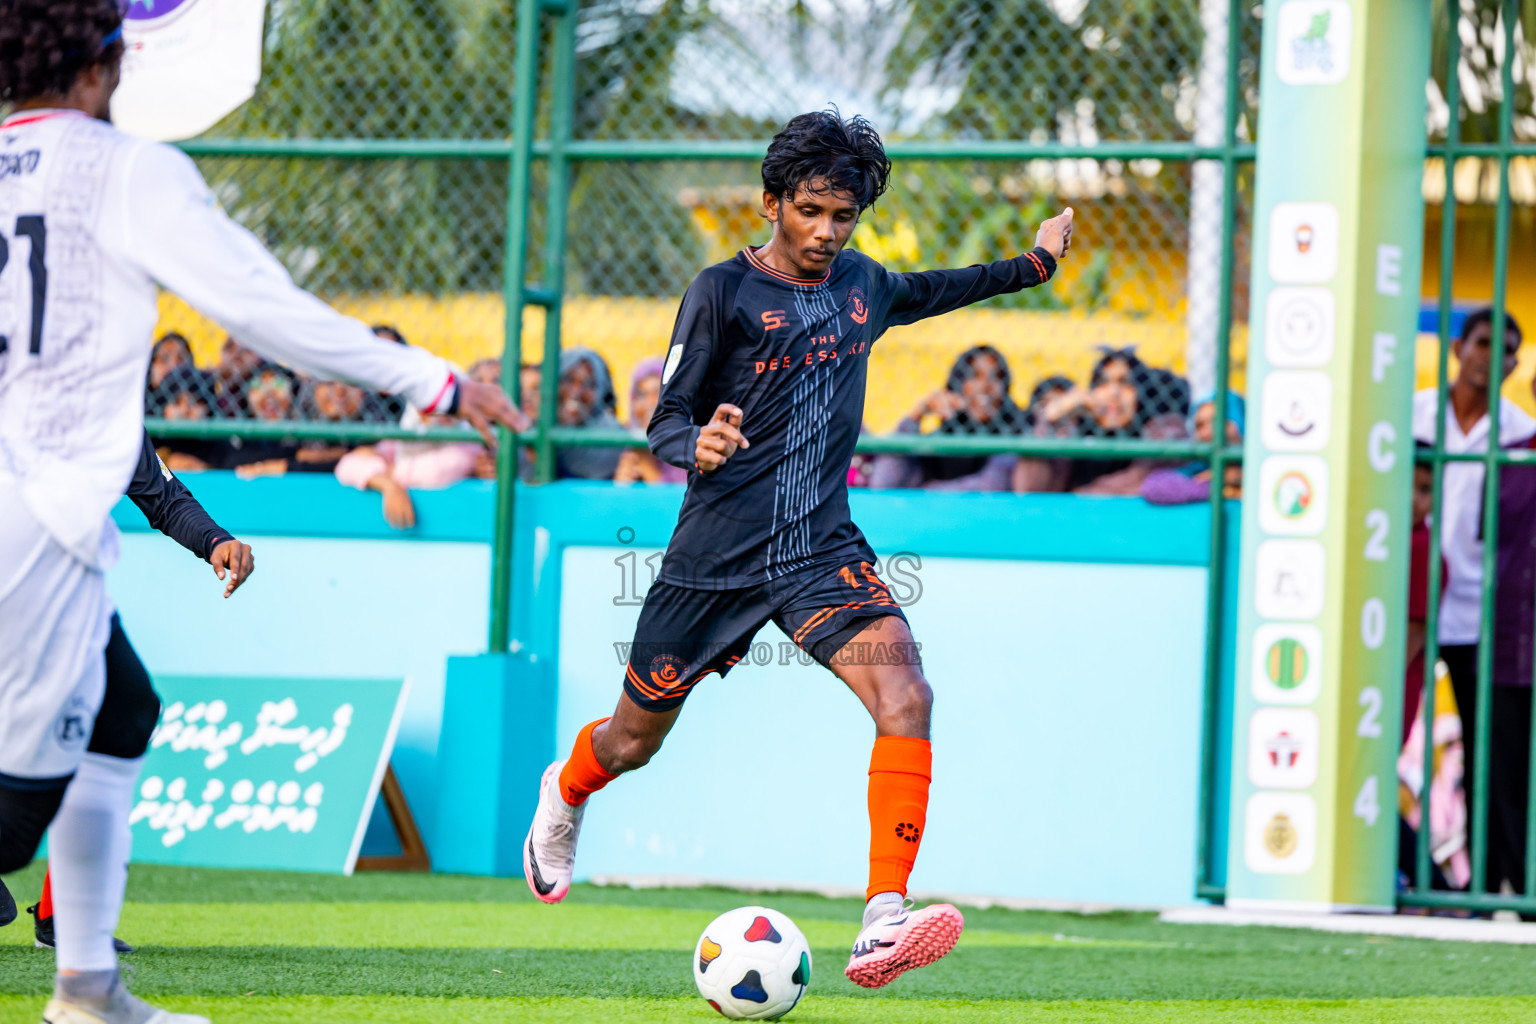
(420, 244)
(1474, 183)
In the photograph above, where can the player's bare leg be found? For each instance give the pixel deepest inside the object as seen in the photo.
(603, 751)
(895, 937)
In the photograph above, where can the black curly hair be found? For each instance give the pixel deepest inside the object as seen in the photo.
(844, 152)
(45, 44)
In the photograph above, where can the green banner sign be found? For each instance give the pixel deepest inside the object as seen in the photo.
(1328, 460)
(264, 773)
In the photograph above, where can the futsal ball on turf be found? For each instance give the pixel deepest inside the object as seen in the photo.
(752, 963)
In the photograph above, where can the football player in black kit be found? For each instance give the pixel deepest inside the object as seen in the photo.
(762, 399)
(130, 709)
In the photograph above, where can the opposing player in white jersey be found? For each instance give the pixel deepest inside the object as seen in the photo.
(92, 223)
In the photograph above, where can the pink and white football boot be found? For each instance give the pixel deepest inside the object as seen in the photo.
(900, 940)
(549, 855)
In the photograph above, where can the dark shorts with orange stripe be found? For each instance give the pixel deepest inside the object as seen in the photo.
(684, 634)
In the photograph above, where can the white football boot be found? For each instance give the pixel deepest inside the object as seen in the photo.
(901, 939)
(549, 855)
(118, 1006)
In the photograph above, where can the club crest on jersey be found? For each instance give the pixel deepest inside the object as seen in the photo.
(666, 670)
(858, 305)
(74, 722)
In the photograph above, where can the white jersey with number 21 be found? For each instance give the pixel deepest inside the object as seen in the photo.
(92, 223)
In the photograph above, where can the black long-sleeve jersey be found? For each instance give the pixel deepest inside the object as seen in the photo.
(792, 354)
(170, 507)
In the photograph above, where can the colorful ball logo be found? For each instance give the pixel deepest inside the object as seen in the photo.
(1286, 663)
(1293, 495)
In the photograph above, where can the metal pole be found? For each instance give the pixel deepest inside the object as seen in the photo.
(513, 284)
(1421, 875)
(563, 86)
(1219, 458)
(1492, 467)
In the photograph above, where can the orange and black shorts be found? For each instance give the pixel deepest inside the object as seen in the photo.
(684, 634)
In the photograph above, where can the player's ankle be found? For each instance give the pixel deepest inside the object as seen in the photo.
(92, 986)
(882, 904)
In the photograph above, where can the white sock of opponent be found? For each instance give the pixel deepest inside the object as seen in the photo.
(88, 847)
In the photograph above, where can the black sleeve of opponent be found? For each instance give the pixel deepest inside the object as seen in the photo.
(916, 296)
(170, 507)
(674, 431)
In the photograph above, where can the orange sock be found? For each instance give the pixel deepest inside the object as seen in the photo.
(899, 771)
(45, 904)
(582, 775)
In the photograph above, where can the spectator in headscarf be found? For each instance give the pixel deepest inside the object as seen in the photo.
(1192, 482)
(639, 465)
(169, 352)
(975, 401)
(1123, 396)
(186, 394)
(585, 399)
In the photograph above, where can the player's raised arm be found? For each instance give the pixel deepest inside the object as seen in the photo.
(176, 233)
(916, 296)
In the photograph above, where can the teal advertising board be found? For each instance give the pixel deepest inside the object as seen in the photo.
(264, 772)
(1328, 461)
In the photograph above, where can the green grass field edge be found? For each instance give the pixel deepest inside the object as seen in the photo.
(829, 1010)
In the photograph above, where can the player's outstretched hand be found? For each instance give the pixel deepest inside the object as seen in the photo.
(481, 405)
(719, 439)
(1055, 235)
(232, 561)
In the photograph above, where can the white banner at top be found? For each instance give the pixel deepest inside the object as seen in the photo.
(188, 64)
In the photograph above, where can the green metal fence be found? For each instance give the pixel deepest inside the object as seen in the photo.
(589, 107)
(1497, 24)
(530, 148)
(543, 149)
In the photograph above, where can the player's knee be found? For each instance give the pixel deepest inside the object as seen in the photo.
(628, 751)
(905, 704)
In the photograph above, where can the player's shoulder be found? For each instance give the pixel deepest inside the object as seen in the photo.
(726, 272)
(853, 259)
(159, 158)
(857, 266)
(720, 282)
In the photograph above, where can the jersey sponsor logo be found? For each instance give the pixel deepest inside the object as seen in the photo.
(74, 722)
(674, 356)
(14, 165)
(773, 319)
(860, 311)
(667, 669)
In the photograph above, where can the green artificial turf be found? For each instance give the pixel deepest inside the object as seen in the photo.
(260, 946)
